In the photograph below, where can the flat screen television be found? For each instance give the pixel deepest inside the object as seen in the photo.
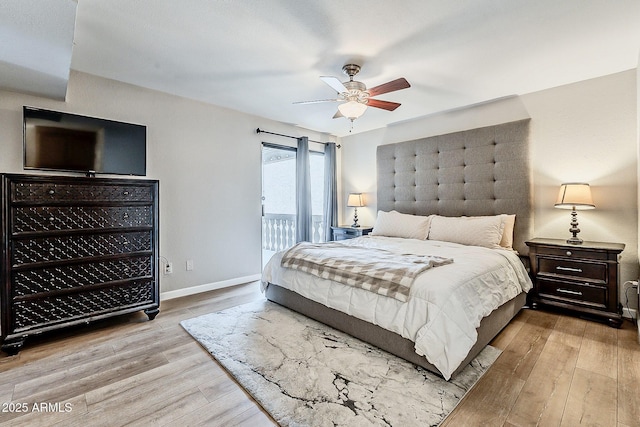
(59, 141)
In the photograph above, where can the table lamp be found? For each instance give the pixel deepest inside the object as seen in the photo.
(355, 201)
(574, 196)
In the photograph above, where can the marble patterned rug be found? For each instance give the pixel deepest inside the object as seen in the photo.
(305, 373)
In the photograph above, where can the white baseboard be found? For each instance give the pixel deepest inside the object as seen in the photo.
(208, 287)
(629, 313)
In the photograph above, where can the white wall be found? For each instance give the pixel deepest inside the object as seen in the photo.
(580, 132)
(207, 159)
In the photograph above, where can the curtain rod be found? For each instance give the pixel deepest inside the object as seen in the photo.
(258, 130)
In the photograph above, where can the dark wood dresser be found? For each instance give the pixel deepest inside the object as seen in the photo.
(581, 278)
(75, 250)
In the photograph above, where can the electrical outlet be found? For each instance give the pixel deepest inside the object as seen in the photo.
(189, 264)
(168, 268)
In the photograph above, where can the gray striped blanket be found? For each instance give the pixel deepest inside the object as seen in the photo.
(376, 270)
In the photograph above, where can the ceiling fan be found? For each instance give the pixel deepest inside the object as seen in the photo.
(355, 96)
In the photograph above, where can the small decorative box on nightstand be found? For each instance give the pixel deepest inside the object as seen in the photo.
(345, 232)
(581, 278)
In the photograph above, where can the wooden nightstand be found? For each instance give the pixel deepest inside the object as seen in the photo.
(638, 313)
(581, 278)
(345, 232)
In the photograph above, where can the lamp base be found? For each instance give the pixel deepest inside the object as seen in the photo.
(575, 241)
(355, 218)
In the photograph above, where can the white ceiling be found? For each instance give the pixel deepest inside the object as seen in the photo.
(259, 57)
(35, 46)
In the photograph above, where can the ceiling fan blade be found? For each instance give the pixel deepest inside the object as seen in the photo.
(334, 83)
(391, 86)
(317, 101)
(385, 105)
(337, 115)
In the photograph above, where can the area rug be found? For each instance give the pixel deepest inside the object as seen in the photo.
(305, 373)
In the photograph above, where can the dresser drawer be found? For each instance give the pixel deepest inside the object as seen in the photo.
(582, 270)
(34, 313)
(25, 192)
(65, 277)
(78, 246)
(582, 294)
(52, 218)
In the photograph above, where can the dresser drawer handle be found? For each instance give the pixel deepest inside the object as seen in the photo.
(569, 253)
(567, 291)
(51, 192)
(125, 215)
(126, 193)
(575, 270)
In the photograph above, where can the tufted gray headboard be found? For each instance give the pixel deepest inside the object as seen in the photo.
(482, 171)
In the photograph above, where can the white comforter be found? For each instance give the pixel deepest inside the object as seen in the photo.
(446, 303)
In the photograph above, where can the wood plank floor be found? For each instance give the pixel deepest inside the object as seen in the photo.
(554, 370)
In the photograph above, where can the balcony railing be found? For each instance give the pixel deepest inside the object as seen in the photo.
(279, 231)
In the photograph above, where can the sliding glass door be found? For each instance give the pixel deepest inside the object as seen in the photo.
(279, 198)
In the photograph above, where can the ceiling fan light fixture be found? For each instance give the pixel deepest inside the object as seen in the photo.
(352, 109)
(354, 97)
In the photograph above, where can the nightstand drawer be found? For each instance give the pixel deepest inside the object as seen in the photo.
(583, 294)
(592, 271)
(576, 252)
(345, 232)
(348, 232)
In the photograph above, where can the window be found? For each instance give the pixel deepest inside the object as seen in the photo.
(279, 197)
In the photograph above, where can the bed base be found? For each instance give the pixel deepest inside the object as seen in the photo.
(389, 341)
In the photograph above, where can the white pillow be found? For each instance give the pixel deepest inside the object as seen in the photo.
(507, 233)
(396, 224)
(468, 230)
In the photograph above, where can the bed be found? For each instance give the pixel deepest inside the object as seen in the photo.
(444, 181)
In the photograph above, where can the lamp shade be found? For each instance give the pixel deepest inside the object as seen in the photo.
(575, 195)
(355, 200)
(352, 109)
